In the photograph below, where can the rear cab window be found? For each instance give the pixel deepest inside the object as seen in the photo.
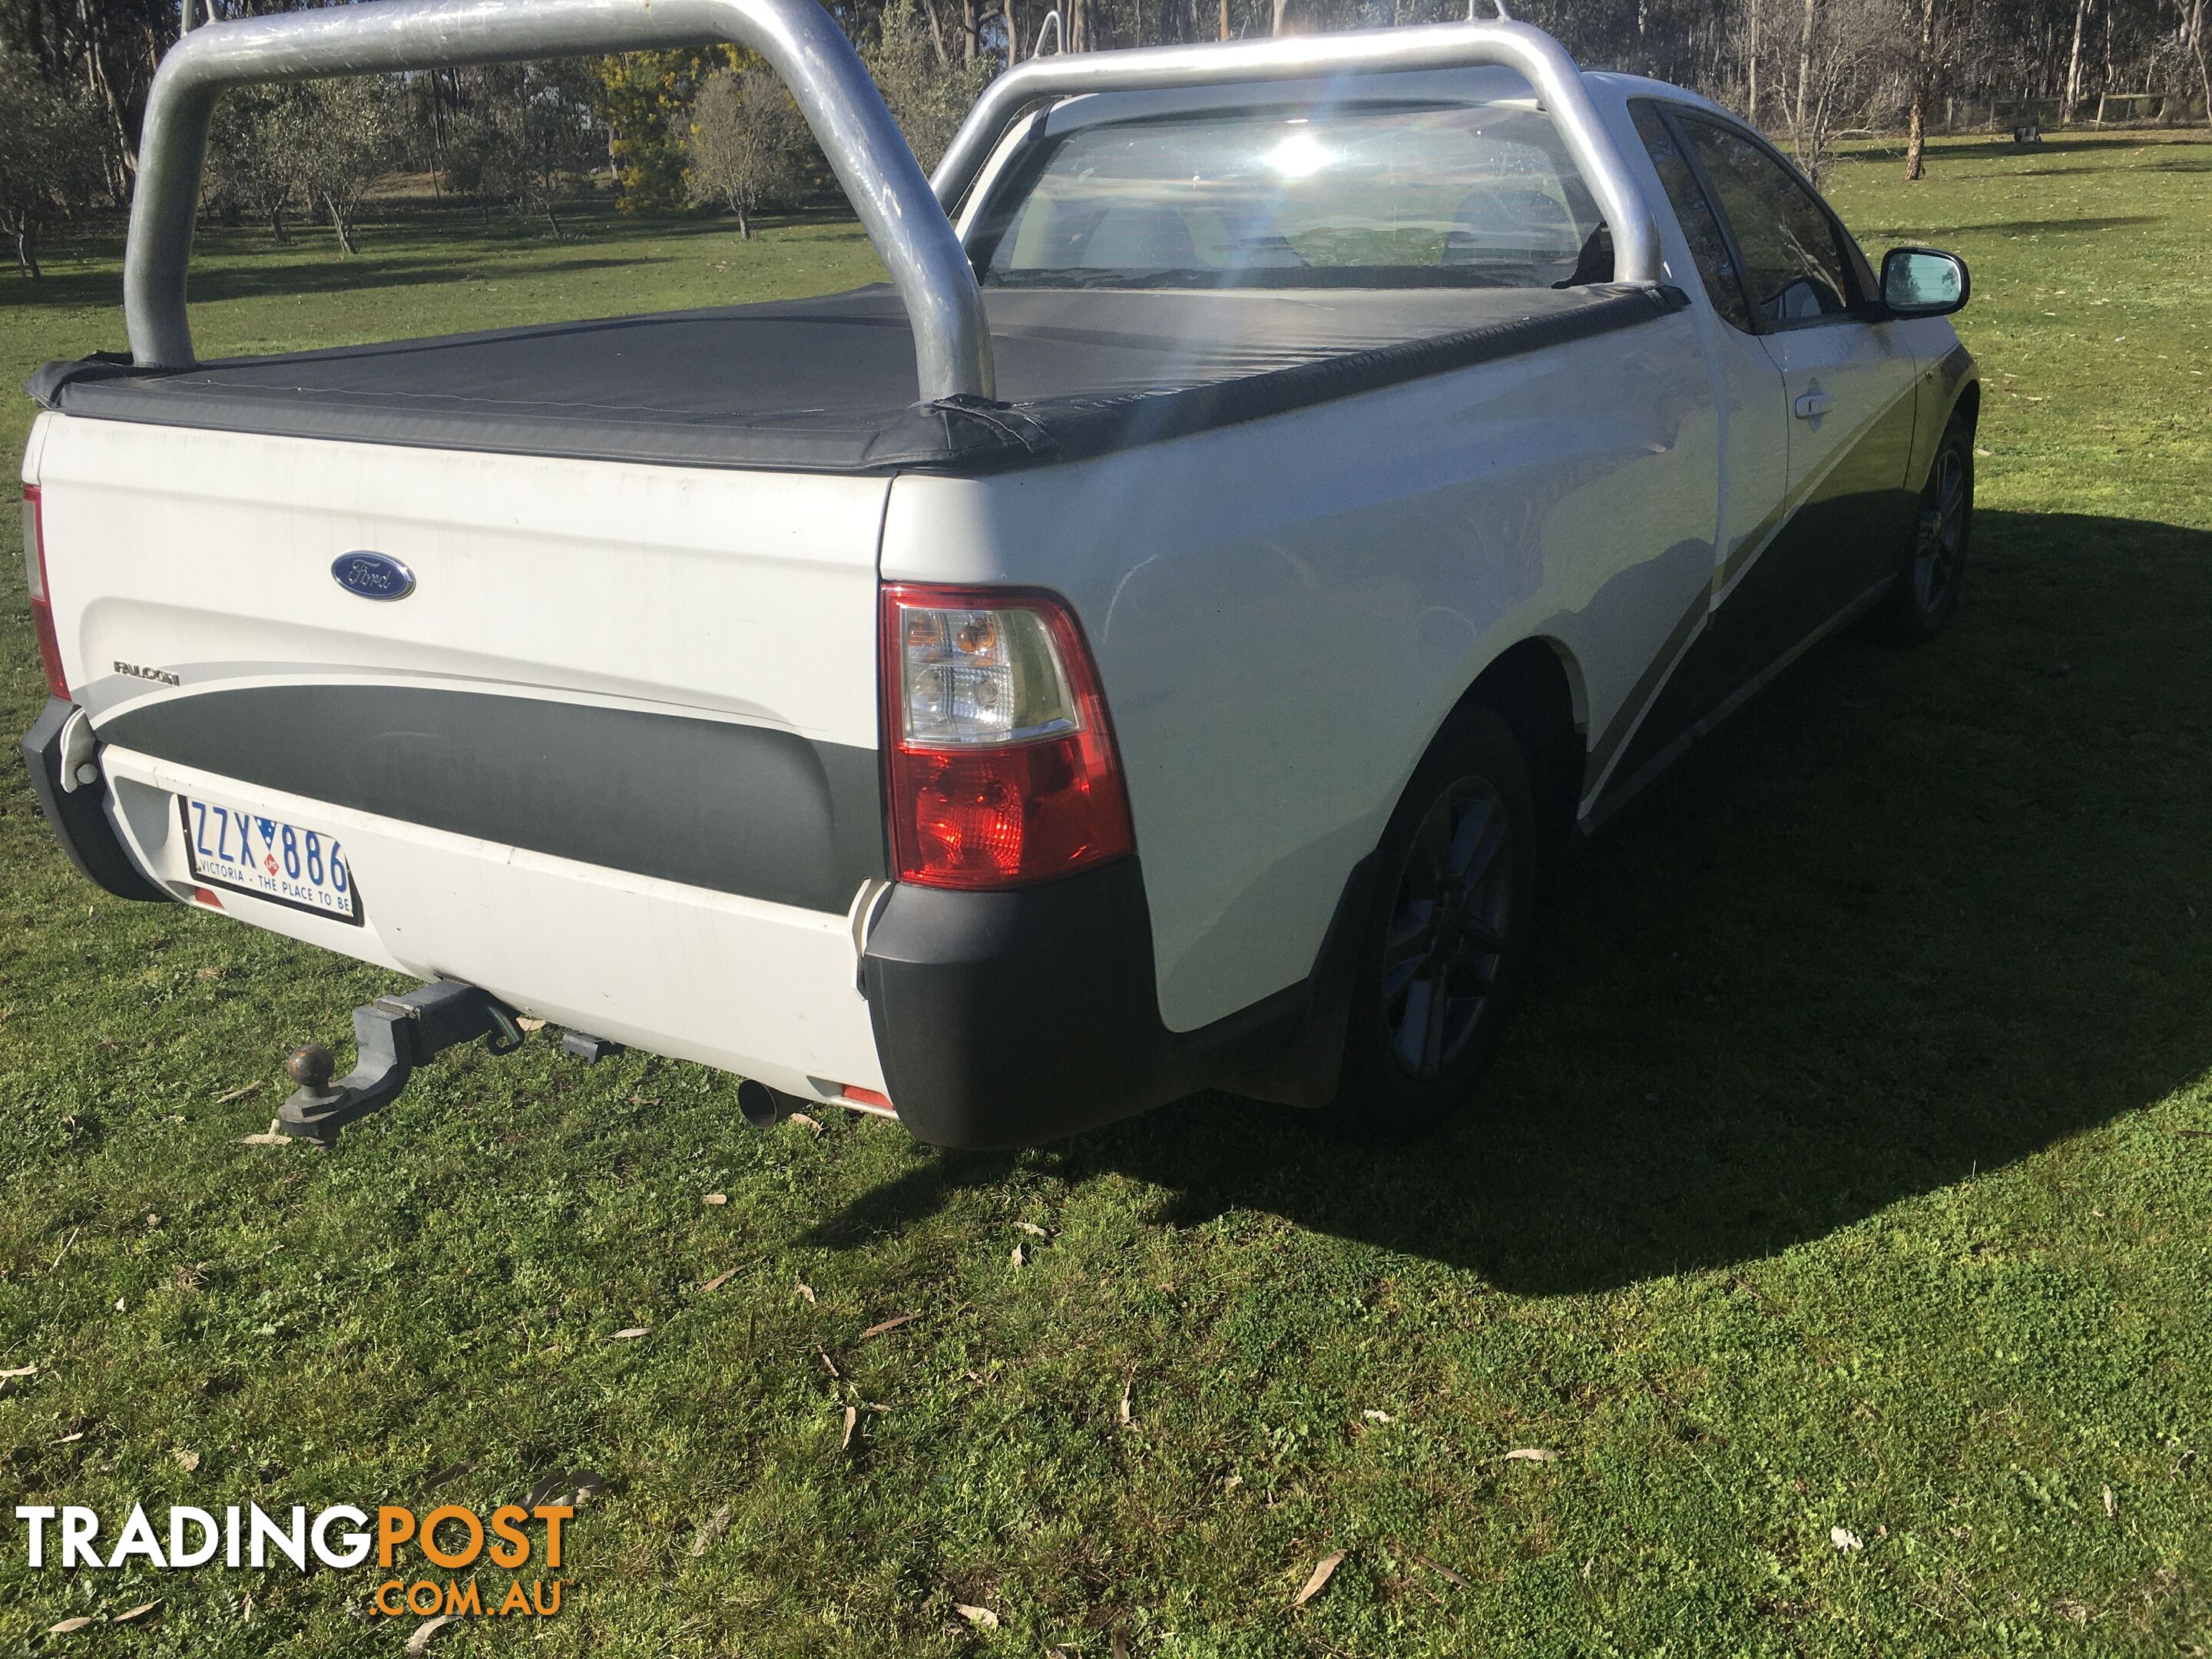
(1289, 193)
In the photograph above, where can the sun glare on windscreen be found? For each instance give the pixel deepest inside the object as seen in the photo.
(1299, 156)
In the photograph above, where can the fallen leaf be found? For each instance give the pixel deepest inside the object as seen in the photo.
(2111, 1504)
(239, 1093)
(420, 1641)
(717, 1282)
(528, 1024)
(133, 1614)
(1373, 1416)
(1442, 1572)
(812, 1126)
(273, 1136)
(67, 1626)
(1231, 1482)
(20, 1371)
(628, 1331)
(1845, 1539)
(1322, 1574)
(1016, 1258)
(709, 1529)
(879, 1329)
(189, 1460)
(715, 1197)
(852, 1420)
(981, 1618)
(801, 1287)
(830, 1365)
(1031, 1229)
(68, 1439)
(1532, 1454)
(1127, 1383)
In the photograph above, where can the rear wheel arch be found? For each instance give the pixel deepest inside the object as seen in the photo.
(1535, 687)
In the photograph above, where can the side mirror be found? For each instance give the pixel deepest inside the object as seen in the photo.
(1924, 282)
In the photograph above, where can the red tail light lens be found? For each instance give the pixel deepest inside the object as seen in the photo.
(1001, 759)
(42, 607)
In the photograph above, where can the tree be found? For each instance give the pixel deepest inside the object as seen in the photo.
(745, 140)
(347, 137)
(257, 144)
(645, 98)
(50, 152)
(928, 96)
(529, 137)
(1926, 64)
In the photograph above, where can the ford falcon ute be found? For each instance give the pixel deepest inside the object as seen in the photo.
(1288, 493)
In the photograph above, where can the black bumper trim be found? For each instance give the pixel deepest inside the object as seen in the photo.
(1009, 1019)
(76, 817)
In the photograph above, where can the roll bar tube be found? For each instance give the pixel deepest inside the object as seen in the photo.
(1539, 58)
(951, 343)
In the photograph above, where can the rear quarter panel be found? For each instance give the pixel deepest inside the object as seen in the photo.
(1284, 612)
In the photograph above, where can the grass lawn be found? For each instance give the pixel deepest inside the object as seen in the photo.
(1850, 1167)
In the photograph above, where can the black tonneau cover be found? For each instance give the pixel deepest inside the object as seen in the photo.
(826, 385)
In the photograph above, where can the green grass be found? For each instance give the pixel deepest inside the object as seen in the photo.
(1848, 1167)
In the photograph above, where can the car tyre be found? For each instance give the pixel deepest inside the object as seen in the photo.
(1926, 593)
(1446, 935)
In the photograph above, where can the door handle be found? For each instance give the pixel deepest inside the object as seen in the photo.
(1813, 406)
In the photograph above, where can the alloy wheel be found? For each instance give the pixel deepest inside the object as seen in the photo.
(1449, 927)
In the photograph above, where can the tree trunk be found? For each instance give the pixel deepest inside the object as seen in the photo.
(745, 224)
(1924, 73)
(1013, 32)
(2074, 65)
(339, 224)
(1804, 66)
(936, 34)
(1750, 66)
(1275, 20)
(276, 224)
(551, 218)
(2196, 47)
(1225, 19)
(27, 252)
(968, 43)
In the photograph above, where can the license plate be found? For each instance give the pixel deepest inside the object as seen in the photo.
(248, 853)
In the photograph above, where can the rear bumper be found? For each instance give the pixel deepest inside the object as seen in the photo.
(1009, 1019)
(991, 1020)
(78, 816)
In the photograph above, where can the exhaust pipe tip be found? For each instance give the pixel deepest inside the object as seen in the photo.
(763, 1107)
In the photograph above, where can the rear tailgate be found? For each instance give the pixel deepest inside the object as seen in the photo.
(612, 756)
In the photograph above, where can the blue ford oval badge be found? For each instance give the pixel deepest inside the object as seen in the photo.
(372, 575)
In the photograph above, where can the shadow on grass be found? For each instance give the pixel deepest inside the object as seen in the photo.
(213, 280)
(1915, 915)
(2021, 227)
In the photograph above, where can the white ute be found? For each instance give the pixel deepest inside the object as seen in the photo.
(1288, 491)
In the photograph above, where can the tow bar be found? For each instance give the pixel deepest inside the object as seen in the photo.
(394, 1034)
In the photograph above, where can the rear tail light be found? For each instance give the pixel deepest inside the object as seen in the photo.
(1001, 763)
(42, 606)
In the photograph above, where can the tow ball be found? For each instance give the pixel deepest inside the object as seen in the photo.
(394, 1035)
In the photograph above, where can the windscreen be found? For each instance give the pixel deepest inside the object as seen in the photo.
(1397, 195)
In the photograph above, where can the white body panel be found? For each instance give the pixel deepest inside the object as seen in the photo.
(1285, 612)
(208, 553)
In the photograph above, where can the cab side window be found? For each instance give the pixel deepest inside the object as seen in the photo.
(1708, 246)
(1793, 263)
